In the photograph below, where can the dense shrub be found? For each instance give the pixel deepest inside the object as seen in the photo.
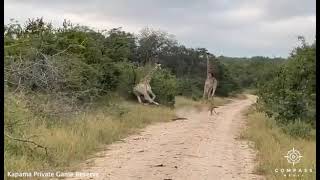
(127, 79)
(247, 73)
(164, 85)
(298, 129)
(291, 93)
(226, 83)
(86, 64)
(191, 87)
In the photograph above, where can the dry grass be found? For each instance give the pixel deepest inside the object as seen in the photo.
(186, 102)
(75, 139)
(272, 145)
(249, 91)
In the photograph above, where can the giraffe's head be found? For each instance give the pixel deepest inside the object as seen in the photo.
(158, 66)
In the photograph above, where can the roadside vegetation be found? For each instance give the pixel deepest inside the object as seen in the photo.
(73, 138)
(284, 116)
(272, 144)
(289, 96)
(68, 89)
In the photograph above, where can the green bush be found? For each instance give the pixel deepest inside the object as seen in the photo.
(164, 85)
(190, 87)
(127, 79)
(290, 94)
(73, 60)
(298, 129)
(226, 83)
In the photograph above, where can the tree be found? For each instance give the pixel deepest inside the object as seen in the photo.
(153, 43)
(290, 95)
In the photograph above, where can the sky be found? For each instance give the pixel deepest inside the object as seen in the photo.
(237, 28)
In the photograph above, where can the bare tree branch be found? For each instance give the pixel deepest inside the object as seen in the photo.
(27, 141)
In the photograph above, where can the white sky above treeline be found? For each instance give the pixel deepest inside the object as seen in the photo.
(235, 28)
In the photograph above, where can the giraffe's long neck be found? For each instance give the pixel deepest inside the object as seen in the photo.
(148, 77)
(208, 66)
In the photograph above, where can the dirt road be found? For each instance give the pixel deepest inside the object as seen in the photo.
(201, 147)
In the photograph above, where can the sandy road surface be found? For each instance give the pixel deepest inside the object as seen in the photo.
(199, 148)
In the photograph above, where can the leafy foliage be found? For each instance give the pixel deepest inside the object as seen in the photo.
(164, 85)
(64, 71)
(249, 72)
(298, 129)
(290, 95)
(84, 64)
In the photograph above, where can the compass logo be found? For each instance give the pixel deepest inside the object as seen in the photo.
(293, 156)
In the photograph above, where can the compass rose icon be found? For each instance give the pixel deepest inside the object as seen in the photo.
(293, 156)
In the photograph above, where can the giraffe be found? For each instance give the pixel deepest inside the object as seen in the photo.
(143, 88)
(210, 83)
(210, 86)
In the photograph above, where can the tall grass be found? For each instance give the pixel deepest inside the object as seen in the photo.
(273, 144)
(75, 138)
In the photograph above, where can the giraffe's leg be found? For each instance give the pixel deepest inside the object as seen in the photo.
(153, 95)
(155, 103)
(212, 101)
(213, 111)
(139, 99)
(212, 92)
(214, 87)
(205, 92)
(148, 98)
(209, 93)
(152, 101)
(138, 96)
